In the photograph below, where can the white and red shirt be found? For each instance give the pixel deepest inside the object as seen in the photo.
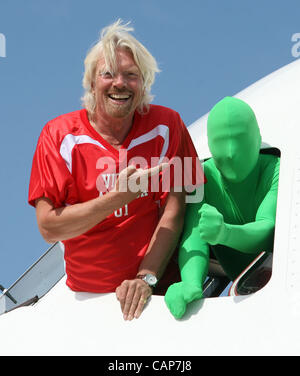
(74, 164)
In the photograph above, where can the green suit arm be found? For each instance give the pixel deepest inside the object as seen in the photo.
(257, 235)
(247, 238)
(193, 252)
(193, 263)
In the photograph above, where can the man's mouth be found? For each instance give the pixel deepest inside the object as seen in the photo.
(119, 97)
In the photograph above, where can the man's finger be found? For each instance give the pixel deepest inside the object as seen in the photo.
(156, 169)
(121, 293)
(138, 181)
(124, 177)
(141, 304)
(129, 170)
(134, 304)
(128, 301)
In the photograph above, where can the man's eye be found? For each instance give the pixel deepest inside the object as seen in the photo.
(106, 74)
(132, 75)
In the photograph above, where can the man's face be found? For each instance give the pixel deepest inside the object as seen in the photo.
(235, 154)
(119, 93)
(233, 138)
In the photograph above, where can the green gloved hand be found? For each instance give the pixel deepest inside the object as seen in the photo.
(179, 295)
(212, 228)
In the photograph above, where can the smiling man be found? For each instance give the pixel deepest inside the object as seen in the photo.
(117, 91)
(116, 239)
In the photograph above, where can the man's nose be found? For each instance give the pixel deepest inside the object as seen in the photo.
(119, 80)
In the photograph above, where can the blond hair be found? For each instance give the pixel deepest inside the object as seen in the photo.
(111, 38)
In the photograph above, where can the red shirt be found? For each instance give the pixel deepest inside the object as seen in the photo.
(74, 164)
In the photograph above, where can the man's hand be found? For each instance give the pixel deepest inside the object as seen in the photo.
(211, 225)
(133, 295)
(134, 180)
(70, 221)
(179, 295)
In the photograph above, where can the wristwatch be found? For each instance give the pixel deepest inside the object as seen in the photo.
(149, 278)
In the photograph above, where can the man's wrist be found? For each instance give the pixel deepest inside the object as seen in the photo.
(224, 235)
(149, 278)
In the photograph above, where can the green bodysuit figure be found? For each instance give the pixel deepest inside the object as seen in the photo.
(237, 215)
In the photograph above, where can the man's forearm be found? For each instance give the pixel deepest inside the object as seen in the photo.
(162, 246)
(194, 262)
(193, 257)
(165, 238)
(249, 238)
(68, 222)
(71, 221)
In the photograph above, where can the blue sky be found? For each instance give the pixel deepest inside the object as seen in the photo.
(206, 49)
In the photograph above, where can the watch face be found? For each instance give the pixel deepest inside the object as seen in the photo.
(150, 279)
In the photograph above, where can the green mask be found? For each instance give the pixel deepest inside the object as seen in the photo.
(234, 139)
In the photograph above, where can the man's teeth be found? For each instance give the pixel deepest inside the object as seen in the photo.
(119, 96)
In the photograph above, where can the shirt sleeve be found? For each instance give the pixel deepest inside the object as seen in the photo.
(50, 176)
(185, 167)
